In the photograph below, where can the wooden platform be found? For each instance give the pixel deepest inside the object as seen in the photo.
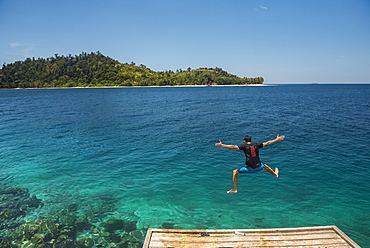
(313, 237)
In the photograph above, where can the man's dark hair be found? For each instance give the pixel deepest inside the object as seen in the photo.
(248, 138)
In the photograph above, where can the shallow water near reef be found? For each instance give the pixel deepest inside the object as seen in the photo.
(148, 154)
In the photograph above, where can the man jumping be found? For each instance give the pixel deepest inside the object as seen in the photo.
(253, 162)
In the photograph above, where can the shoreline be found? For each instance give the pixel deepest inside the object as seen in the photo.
(154, 86)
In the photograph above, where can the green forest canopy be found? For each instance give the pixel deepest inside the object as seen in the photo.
(97, 70)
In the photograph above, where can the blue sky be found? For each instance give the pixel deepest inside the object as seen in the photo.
(285, 41)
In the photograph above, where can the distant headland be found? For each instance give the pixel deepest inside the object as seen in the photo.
(97, 70)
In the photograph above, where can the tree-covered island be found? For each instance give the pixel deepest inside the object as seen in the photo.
(97, 70)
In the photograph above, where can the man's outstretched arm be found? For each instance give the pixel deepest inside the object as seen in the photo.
(278, 138)
(227, 146)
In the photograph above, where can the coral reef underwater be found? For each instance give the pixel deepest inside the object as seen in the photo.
(65, 228)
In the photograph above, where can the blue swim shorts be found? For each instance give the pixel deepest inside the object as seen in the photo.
(250, 170)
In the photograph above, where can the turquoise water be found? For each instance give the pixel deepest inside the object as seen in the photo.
(149, 154)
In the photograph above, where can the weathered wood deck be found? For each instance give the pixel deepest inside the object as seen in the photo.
(315, 237)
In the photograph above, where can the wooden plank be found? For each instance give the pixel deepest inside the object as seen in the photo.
(243, 235)
(148, 236)
(284, 243)
(327, 236)
(345, 237)
(273, 242)
(226, 245)
(237, 238)
(260, 242)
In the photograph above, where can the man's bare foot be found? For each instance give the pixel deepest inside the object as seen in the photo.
(232, 191)
(277, 172)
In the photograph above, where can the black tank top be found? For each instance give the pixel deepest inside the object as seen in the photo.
(252, 154)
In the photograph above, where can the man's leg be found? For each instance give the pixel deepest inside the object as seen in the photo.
(235, 181)
(275, 173)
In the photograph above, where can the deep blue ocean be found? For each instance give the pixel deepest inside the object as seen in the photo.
(148, 154)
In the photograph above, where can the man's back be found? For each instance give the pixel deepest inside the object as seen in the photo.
(251, 151)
